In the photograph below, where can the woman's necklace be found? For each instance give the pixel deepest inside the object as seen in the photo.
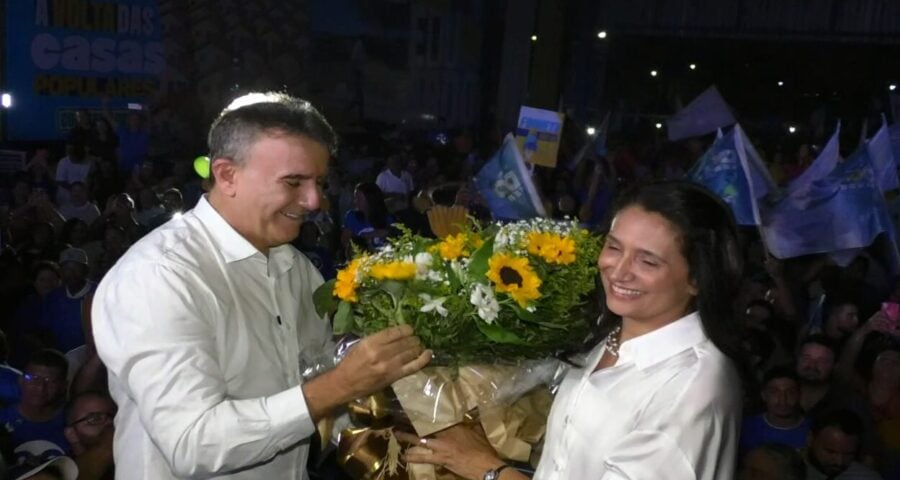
(612, 341)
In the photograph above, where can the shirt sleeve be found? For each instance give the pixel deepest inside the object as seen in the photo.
(157, 337)
(382, 182)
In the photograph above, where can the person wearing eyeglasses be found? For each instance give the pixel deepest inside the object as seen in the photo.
(39, 414)
(89, 429)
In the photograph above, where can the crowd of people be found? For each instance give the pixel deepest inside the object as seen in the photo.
(819, 355)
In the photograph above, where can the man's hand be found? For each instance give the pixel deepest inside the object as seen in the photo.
(371, 365)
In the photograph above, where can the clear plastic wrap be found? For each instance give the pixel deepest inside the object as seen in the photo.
(509, 401)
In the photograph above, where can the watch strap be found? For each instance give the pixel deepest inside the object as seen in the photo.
(494, 474)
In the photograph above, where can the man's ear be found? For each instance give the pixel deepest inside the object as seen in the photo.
(224, 170)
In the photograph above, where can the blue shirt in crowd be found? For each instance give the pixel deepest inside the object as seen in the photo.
(22, 430)
(757, 431)
(10, 392)
(62, 317)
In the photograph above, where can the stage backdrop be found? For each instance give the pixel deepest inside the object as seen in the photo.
(63, 55)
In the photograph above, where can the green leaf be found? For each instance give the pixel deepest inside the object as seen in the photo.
(478, 267)
(455, 282)
(498, 334)
(394, 288)
(324, 299)
(343, 319)
(531, 317)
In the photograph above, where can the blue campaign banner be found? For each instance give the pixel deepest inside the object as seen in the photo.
(721, 170)
(63, 55)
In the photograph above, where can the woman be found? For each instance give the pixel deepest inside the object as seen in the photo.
(369, 222)
(657, 398)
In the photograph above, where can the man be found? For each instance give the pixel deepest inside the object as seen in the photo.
(62, 314)
(834, 446)
(74, 167)
(134, 139)
(79, 205)
(396, 183)
(202, 322)
(815, 364)
(173, 205)
(783, 421)
(39, 415)
(89, 430)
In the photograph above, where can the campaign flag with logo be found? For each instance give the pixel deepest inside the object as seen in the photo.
(506, 185)
(738, 178)
(538, 133)
(844, 210)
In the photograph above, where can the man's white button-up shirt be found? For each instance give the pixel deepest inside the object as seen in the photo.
(201, 334)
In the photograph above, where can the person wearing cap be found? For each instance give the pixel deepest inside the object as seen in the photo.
(202, 322)
(40, 460)
(62, 313)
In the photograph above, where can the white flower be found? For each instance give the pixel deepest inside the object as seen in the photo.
(483, 299)
(433, 304)
(423, 266)
(501, 240)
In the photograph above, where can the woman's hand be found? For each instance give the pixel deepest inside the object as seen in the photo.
(461, 449)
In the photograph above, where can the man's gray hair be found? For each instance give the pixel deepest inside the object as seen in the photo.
(248, 117)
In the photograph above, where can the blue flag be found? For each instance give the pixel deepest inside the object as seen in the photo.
(823, 164)
(505, 183)
(844, 210)
(880, 151)
(728, 171)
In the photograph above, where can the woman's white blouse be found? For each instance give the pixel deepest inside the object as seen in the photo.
(669, 409)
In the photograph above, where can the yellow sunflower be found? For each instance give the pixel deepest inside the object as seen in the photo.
(515, 277)
(552, 248)
(453, 247)
(346, 282)
(393, 271)
(459, 245)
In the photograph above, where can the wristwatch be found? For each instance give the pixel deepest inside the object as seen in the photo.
(493, 474)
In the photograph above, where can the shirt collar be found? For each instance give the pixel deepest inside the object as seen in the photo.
(282, 258)
(663, 343)
(231, 244)
(234, 247)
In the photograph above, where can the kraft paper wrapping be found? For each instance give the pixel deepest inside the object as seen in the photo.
(432, 400)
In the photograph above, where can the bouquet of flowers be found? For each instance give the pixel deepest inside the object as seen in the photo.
(510, 291)
(491, 303)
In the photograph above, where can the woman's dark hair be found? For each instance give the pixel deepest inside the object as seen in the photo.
(709, 242)
(377, 214)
